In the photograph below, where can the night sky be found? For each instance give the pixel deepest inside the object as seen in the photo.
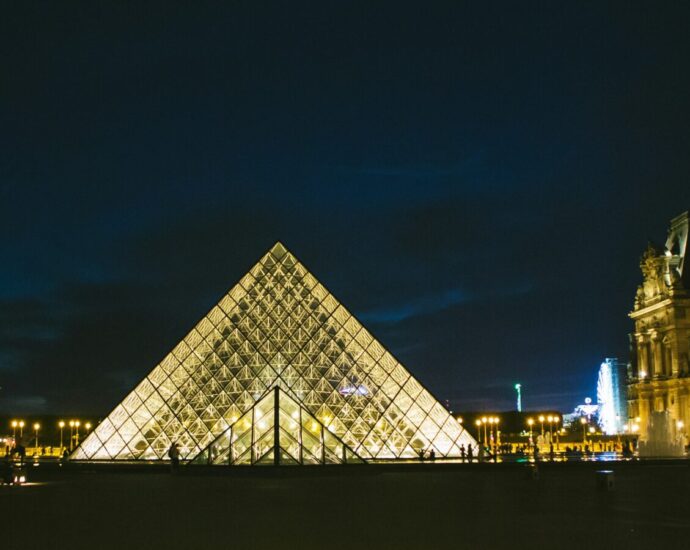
(475, 186)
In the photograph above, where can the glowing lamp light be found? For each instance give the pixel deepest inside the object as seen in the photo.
(484, 419)
(591, 429)
(679, 424)
(478, 422)
(530, 421)
(460, 419)
(61, 424)
(583, 420)
(541, 418)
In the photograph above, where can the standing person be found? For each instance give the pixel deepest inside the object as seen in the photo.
(470, 453)
(462, 452)
(174, 455)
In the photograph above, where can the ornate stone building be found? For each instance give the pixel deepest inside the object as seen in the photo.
(659, 377)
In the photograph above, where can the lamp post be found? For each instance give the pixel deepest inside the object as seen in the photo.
(556, 420)
(484, 421)
(478, 423)
(14, 429)
(21, 429)
(87, 426)
(541, 420)
(71, 433)
(530, 423)
(550, 419)
(37, 427)
(76, 425)
(583, 421)
(61, 424)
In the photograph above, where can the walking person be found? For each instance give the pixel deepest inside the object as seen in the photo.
(174, 455)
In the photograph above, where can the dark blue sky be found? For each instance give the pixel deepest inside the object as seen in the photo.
(475, 184)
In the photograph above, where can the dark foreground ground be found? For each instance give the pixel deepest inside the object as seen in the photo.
(426, 506)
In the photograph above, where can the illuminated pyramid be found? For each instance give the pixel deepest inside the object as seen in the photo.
(277, 372)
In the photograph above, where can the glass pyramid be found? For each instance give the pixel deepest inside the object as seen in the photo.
(277, 430)
(277, 328)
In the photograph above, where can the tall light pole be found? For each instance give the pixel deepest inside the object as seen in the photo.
(478, 423)
(71, 434)
(62, 426)
(550, 419)
(484, 421)
(583, 421)
(541, 419)
(519, 397)
(14, 429)
(37, 427)
(76, 425)
(21, 429)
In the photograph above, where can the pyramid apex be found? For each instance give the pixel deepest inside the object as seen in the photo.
(278, 250)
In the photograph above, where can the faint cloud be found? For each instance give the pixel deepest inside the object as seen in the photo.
(433, 303)
(24, 403)
(420, 306)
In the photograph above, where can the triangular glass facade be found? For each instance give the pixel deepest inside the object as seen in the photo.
(277, 430)
(277, 328)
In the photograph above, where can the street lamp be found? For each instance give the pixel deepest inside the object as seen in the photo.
(478, 423)
(87, 426)
(583, 421)
(37, 427)
(484, 421)
(14, 429)
(21, 429)
(76, 425)
(62, 425)
(71, 434)
(541, 419)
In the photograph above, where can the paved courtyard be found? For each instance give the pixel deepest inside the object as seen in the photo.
(419, 506)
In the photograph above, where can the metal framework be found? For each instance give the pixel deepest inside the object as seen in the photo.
(277, 343)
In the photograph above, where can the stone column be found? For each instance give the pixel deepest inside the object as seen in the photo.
(657, 358)
(642, 365)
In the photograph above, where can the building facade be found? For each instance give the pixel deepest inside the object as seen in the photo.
(659, 376)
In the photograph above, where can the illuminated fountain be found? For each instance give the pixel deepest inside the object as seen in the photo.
(663, 437)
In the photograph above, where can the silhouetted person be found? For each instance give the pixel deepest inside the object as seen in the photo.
(432, 454)
(470, 453)
(462, 452)
(20, 451)
(174, 455)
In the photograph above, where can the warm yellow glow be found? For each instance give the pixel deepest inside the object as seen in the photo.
(14, 423)
(556, 418)
(21, 423)
(71, 423)
(591, 429)
(478, 422)
(37, 426)
(583, 420)
(679, 424)
(541, 418)
(550, 418)
(61, 423)
(635, 427)
(87, 425)
(530, 421)
(638, 419)
(484, 420)
(460, 419)
(77, 423)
